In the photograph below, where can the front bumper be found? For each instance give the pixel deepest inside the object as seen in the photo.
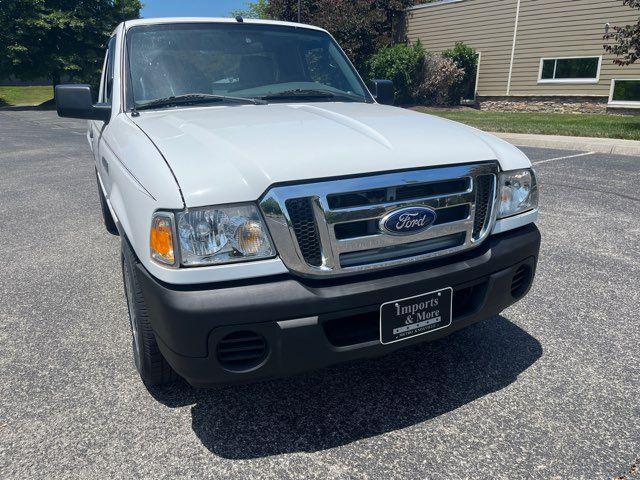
(311, 324)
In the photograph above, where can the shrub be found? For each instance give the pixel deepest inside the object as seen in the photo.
(400, 63)
(437, 77)
(464, 57)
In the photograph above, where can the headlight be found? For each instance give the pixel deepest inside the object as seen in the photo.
(518, 192)
(215, 235)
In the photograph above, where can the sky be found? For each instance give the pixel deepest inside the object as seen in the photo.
(190, 8)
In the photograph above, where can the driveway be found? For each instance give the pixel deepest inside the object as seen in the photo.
(549, 389)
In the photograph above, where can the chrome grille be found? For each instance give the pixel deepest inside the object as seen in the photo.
(331, 228)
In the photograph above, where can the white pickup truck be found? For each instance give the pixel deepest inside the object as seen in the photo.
(278, 216)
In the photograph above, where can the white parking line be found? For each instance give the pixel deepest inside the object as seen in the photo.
(563, 158)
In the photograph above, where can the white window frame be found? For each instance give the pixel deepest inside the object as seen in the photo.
(622, 103)
(569, 80)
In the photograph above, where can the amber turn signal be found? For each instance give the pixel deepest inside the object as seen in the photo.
(161, 239)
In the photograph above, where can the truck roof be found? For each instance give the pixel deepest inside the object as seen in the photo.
(156, 21)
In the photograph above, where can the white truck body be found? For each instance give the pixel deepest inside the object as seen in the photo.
(212, 155)
(277, 216)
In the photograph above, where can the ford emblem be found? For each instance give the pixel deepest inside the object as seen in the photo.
(407, 221)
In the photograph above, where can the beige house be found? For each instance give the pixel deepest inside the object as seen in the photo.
(535, 54)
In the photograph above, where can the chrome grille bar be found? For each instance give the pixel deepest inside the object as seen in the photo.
(286, 231)
(382, 240)
(377, 211)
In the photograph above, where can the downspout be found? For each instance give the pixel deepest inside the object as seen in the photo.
(513, 48)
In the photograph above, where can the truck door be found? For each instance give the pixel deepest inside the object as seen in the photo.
(97, 128)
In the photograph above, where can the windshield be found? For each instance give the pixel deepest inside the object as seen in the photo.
(238, 60)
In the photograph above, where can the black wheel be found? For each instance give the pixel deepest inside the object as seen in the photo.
(107, 219)
(151, 365)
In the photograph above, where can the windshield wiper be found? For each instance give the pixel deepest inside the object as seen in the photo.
(309, 93)
(195, 98)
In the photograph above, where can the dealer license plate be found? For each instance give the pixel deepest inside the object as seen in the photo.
(413, 316)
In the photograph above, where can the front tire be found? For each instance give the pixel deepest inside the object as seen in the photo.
(149, 361)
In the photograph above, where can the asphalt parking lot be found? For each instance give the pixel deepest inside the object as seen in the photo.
(549, 389)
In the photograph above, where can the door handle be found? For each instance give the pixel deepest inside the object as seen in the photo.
(91, 132)
(105, 164)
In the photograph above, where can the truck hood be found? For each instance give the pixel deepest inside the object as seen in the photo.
(227, 154)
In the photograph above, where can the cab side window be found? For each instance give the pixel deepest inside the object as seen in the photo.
(107, 75)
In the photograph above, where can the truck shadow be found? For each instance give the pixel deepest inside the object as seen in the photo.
(361, 399)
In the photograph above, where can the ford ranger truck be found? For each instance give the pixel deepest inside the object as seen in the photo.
(276, 215)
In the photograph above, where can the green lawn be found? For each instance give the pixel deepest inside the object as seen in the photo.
(25, 95)
(579, 125)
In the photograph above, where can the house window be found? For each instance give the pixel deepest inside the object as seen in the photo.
(625, 93)
(570, 70)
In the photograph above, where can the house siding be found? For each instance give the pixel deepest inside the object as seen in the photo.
(487, 25)
(561, 28)
(546, 29)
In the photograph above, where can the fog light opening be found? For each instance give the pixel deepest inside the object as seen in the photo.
(242, 351)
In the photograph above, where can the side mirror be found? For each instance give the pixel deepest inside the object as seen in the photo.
(382, 91)
(75, 101)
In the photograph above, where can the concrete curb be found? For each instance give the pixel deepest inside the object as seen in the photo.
(582, 144)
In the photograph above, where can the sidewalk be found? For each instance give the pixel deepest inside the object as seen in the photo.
(583, 144)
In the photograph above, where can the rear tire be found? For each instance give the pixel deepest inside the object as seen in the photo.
(151, 365)
(107, 219)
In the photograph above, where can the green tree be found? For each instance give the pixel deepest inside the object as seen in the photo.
(361, 27)
(58, 38)
(258, 9)
(465, 58)
(626, 39)
(400, 63)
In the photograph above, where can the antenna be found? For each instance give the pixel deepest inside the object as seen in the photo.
(298, 11)
(123, 12)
